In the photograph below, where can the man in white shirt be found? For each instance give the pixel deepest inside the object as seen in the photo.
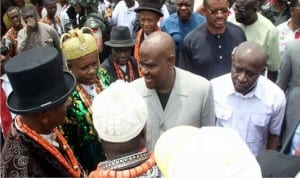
(290, 29)
(124, 14)
(249, 102)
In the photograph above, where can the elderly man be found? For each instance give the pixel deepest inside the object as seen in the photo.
(149, 13)
(179, 24)
(120, 64)
(35, 34)
(206, 50)
(173, 96)
(34, 146)
(249, 102)
(259, 29)
(120, 116)
(10, 38)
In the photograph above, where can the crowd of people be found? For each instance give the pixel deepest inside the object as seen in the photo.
(150, 88)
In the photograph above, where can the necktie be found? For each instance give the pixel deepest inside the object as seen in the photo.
(5, 114)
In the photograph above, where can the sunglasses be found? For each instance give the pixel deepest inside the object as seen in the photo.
(215, 12)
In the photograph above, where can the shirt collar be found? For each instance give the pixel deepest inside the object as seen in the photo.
(90, 89)
(257, 91)
(4, 78)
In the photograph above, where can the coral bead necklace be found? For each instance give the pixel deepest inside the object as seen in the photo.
(72, 168)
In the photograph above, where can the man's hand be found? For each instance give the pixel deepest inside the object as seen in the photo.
(31, 25)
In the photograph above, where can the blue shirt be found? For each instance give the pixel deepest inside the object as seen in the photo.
(296, 141)
(178, 29)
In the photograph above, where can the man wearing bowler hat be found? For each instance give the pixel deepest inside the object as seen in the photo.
(120, 64)
(34, 147)
(149, 14)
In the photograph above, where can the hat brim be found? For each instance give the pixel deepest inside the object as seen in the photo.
(139, 9)
(120, 45)
(14, 105)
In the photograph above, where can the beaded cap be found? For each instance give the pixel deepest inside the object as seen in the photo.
(78, 43)
(119, 113)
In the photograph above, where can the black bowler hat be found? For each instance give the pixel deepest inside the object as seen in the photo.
(120, 37)
(150, 5)
(38, 80)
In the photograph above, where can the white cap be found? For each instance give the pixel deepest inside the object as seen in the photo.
(213, 152)
(169, 142)
(119, 113)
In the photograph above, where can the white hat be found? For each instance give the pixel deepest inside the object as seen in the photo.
(213, 152)
(119, 113)
(170, 142)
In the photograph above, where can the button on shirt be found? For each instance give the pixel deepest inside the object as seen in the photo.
(253, 115)
(209, 55)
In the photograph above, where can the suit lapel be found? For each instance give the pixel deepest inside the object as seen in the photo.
(153, 101)
(175, 99)
(178, 92)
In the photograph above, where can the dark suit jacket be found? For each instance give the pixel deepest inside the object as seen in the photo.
(109, 67)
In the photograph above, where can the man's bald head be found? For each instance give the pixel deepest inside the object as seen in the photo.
(252, 52)
(248, 62)
(161, 41)
(157, 61)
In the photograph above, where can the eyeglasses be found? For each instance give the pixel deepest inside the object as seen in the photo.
(215, 12)
(240, 9)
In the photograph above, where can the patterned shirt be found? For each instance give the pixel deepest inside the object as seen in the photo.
(10, 41)
(79, 130)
